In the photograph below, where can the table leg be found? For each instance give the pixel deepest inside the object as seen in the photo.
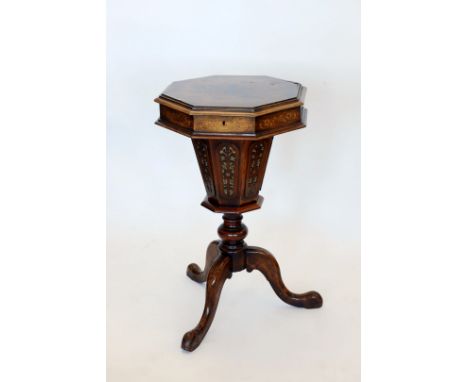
(194, 271)
(219, 272)
(262, 260)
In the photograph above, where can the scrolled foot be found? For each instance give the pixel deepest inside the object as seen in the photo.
(191, 340)
(262, 260)
(219, 272)
(194, 271)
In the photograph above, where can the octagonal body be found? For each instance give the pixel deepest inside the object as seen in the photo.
(240, 106)
(231, 121)
(232, 172)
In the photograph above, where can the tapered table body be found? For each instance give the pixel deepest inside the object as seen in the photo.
(231, 121)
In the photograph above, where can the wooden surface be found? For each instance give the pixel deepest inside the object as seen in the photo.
(232, 107)
(232, 172)
(240, 93)
(232, 254)
(232, 121)
(232, 150)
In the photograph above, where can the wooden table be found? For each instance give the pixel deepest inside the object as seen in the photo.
(231, 121)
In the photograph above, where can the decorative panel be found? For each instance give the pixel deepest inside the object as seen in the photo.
(228, 155)
(256, 155)
(203, 157)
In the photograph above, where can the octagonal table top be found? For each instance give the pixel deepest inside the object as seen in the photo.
(232, 107)
(237, 93)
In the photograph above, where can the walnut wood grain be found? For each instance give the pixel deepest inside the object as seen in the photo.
(232, 93)
(250, 107)
(263, 261)
(231, 121)
(232, 172)
(232, 254)
(219, 272)
(194, 271)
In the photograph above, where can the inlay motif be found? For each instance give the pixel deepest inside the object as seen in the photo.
(201, 150)
(280, 118)
(228, 157)
(255, 159)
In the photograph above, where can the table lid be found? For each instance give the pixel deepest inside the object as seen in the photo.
(247, 94)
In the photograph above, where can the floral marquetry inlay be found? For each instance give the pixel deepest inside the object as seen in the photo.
(201, 150)
(280, 118)
(255, 159)
(228, 157)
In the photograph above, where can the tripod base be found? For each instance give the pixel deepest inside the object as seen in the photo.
(229, 255)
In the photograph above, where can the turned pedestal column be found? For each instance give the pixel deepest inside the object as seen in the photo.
(231, 121)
